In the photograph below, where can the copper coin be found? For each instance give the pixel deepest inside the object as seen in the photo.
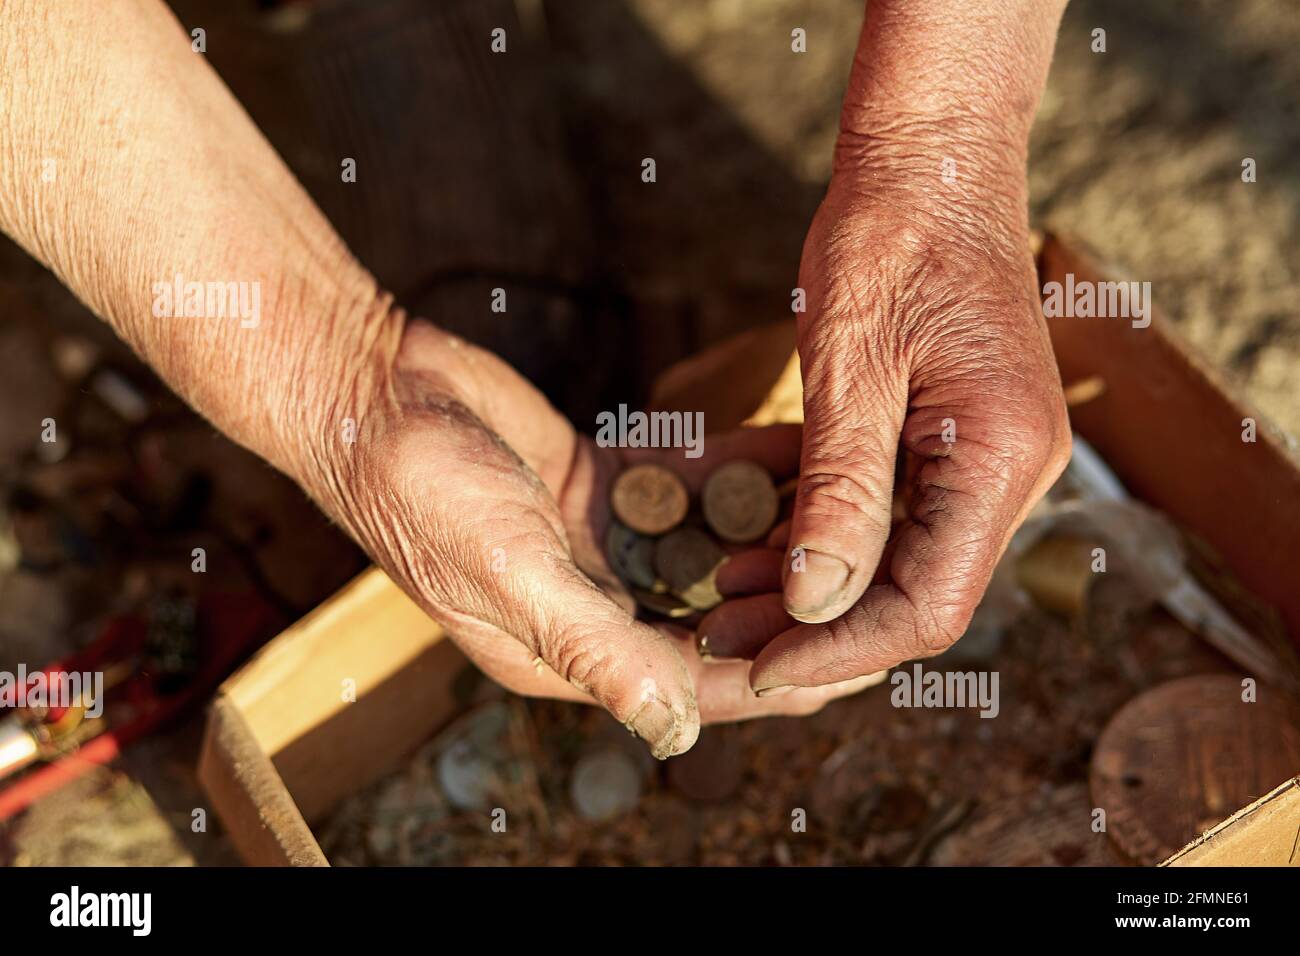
(631, 555)
(740, 501)
(688, 559)
(1181, 758)
(649, 499)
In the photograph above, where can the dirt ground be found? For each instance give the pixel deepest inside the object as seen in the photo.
(1137, 151)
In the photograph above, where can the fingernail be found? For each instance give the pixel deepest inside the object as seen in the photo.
(776, 691)
(819, 584)
(707, 654)
(655, 723)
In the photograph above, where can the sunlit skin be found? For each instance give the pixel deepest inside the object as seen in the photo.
(922, 330)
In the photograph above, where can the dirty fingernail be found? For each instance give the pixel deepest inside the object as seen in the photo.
(709, 654)
(654, 722)
(815, 581)
(776, 691)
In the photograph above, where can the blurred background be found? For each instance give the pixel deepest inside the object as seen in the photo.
(523, 171)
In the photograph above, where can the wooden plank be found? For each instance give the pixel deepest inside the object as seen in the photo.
(1266, 833)
(1171, 429)
(249, 796)
(282, 693)
(371, 641)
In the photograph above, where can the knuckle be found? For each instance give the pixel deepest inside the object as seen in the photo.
(570, 652)
(937, 627)
(826, 494)
(1045, 446)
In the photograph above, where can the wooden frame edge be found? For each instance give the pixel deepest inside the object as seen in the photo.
(249, 797)
(1265, 833)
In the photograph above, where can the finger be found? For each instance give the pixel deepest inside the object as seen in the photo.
(971, 494)
(633, 671)
(846, 473)
(478, 539)
(741, 628)
(725, 695)
(518, 577)
(779, 536)
(774, 447)
(755, 571)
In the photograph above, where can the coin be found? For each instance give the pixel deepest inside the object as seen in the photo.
(1180, 758)
(740, 502)
(662, 603)
(631, 555)
(649, 499)
(688, 559)
(605, 784)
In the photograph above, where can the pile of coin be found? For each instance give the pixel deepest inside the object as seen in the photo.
(668, 552)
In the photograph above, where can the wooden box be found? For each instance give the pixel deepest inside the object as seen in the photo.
(284, 744)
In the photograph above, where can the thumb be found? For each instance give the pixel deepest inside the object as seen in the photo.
(631, 669)
(846, 478)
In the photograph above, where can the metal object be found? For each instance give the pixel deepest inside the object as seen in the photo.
(649, 499)
(688, 559)
(740, 502)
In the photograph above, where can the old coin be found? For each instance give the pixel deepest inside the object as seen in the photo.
(688, 559)
(631, 555)
(605, 784)
(662, 603)
(740, 501)
(649, 499)
(476, 748)
(1182, 757)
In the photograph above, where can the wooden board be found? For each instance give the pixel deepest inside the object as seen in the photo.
(1266, 833)
(290, 705)
(250, 796)
(1171, 429)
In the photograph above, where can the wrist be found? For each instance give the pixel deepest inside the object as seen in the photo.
(942, 179)
(986, 60)
(941, 99)
(335, 407)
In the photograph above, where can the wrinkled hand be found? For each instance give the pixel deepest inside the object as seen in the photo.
(923, 330)
(469, 489)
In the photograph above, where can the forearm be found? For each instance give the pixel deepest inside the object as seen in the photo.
(125, 163)
(948, 87)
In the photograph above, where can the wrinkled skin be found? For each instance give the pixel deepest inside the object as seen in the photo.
(919, 317)
(922, 333)
(482, 501)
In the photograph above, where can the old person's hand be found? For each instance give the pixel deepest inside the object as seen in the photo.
(475, 495)
(923, 332)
